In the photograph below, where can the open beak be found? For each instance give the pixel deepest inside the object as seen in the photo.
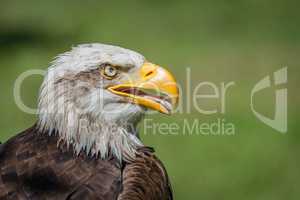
(152, 87)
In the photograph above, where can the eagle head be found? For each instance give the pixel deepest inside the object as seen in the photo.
(93, 97)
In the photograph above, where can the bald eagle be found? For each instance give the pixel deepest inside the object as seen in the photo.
(85, 144)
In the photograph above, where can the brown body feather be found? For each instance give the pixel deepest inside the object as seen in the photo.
(33, 167)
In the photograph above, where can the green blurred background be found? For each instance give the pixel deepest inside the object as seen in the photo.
(220, 41)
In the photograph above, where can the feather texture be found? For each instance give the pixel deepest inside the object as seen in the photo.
(34, 167)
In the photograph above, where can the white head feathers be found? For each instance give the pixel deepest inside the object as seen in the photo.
(74, 103)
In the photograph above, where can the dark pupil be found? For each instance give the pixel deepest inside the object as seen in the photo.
(111, 70)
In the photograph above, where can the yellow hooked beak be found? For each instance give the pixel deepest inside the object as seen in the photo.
(152, 87)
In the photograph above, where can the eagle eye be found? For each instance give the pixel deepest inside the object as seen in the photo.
(109, 71)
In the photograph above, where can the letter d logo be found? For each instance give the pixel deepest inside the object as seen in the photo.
(279, 122)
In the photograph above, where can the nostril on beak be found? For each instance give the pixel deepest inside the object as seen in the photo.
(148, 70)
(149, 73)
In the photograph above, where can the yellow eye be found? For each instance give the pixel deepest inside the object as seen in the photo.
(109, 71)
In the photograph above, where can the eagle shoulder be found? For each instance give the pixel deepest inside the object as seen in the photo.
(145, 178)
(33, 167)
